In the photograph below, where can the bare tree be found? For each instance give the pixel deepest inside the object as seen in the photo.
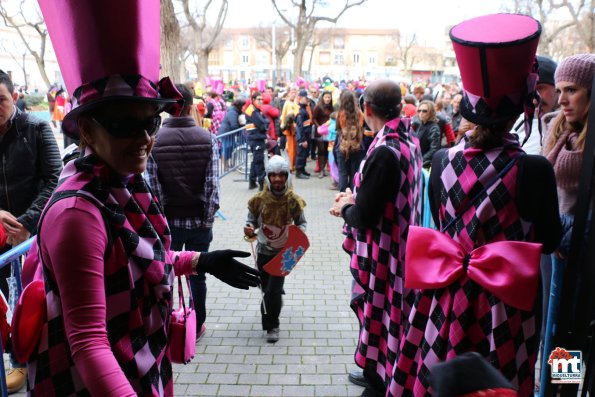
(312, 44)
(581, 22)
(584, 19)
(19, 22)
(404, 45)
(205, 35)
(303, 27)
(282, 42)
(170, 41)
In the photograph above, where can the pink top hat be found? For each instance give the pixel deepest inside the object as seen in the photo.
(217, 85)
(107, 51)
(262, 85)
(496, 57)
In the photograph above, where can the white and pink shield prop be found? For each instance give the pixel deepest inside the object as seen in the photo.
(296, 246)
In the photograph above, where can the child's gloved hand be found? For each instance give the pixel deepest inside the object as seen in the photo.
(249, 231)
(222, 265)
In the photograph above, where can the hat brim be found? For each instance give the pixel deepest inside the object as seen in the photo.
(70, 122)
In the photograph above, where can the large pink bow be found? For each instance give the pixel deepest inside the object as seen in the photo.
(508, 269)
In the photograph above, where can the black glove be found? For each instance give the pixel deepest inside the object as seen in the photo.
(222, 265)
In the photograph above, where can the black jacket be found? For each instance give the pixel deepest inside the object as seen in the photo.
(429, 141)
(30, 166)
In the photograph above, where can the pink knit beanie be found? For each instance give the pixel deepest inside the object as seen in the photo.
(577, 69)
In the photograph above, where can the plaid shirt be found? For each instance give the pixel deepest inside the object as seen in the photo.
(211, 191)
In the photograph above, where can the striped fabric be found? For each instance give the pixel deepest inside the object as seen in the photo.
(464, 317)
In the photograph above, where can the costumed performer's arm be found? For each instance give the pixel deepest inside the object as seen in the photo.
(380, 184)
(79, 269)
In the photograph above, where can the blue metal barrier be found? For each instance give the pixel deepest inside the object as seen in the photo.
(233, 148)
(13, 257)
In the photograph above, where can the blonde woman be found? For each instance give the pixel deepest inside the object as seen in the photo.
(428, 132)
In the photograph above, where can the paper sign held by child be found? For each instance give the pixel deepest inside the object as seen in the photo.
(296, 246)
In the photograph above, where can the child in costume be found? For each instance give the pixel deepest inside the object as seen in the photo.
(270, 213)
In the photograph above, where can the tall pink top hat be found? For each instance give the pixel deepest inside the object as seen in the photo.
(496, 57)
(108, 50)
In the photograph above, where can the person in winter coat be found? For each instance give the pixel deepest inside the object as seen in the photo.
(428, 132)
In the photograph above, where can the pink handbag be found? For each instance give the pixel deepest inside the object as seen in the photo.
(182, 329)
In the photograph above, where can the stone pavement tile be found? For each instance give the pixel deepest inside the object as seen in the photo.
(266, 391)
(230, 358)
(202, 390)
(223, 378)
(190, 378)
(233, 390)
(253, 379)
(298, 391)
(315, 379)
(334, 391)
(271, 368)
(301, 369)
(284, 379)
(245, 369)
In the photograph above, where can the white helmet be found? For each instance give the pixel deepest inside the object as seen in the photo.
(275, 165)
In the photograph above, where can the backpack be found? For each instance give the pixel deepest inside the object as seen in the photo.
(351, 139)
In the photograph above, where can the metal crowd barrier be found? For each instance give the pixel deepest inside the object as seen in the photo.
(234, 153)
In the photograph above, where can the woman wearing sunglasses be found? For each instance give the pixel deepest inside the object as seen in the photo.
(428, 131)
(104, 242)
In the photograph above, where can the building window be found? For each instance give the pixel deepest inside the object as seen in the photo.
(325, 43)
(262, 58)
(372, 59)
(355, 59)
(228, 44)
(339, 59)
(339, 43)
(228, 58)
(324, 58)
(245, 59)
(390, 61)
(245, 42)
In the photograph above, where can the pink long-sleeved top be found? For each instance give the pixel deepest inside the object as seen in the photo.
(73, 244)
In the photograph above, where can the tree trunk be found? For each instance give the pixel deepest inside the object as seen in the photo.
(202, 64)
(170, 39)
(41, 66)
(298, 58)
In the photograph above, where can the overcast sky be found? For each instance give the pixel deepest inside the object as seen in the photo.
(428, 18)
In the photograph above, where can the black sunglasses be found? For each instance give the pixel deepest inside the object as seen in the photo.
(129, 128)
(422, 110)
(361, 102)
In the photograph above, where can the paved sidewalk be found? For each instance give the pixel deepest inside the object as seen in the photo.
(318, 329)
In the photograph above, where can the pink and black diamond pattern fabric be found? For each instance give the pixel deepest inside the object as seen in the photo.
(464, 317)
(138, 279)
(218, 114)
(377, 257)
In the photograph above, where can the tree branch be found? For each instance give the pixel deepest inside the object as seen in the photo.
(218, 25)
(287, 21)
(345, 8)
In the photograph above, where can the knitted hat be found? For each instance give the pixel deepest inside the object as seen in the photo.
(577, 69)
(547, 67)
(303, 93)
